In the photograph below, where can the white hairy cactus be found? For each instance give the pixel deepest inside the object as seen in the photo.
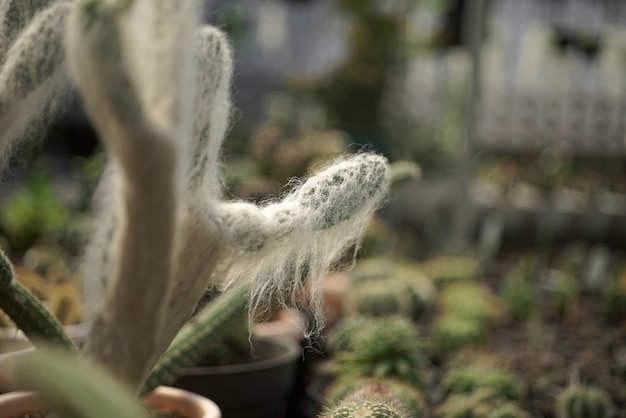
(33, 78)
(156, 87)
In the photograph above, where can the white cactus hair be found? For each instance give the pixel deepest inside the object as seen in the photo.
(285, 248)
(33, 80)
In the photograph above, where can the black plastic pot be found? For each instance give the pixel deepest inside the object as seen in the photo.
(258, 389)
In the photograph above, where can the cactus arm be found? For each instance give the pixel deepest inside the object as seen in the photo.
(14, 17)
(285, 248)
(33, 77)
(138, 121)
(211, 112)
(73, 388)
(27, 311)
(190, 344)
(200, 235)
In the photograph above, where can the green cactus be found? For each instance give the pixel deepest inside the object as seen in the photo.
(471, 377)
(579, 401)
(408, 396)
(382, 286)
(390, 348)
(32, 213)
(478, 404)
(517, 290)
(341, 337)
(448, 269)
(376, 298)
(368, 402)
(26, 311)
(452, 332)
(470, 300)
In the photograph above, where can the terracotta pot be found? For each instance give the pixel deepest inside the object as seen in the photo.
(189, 405)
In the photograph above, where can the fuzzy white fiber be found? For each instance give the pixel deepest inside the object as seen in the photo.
(33, 79)
(285, 248)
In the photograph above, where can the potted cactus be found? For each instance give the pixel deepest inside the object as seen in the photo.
(155, 84)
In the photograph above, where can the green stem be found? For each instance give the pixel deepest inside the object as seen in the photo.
(195, 337)
(27, 311)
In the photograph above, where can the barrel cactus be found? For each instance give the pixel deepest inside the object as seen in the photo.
(579, 401)
(408, 396)
(385, 287)
(448, 269)
(392, 348)
(368, 403)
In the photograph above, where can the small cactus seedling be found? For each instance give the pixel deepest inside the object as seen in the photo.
(408, 396)
(579, 401)
(390, 348)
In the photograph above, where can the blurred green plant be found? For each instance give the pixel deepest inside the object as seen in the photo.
(32, 213)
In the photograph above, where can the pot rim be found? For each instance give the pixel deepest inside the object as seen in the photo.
(186, 403)
(293, 351)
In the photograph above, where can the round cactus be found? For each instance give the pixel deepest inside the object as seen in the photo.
(409, 397)
(372, 268)
(470, 300)
(447, 269)
(369, 402)
(342, 335)
(375, 298)
(392, 348)
(451, 332)
(469, 378)
(384, 287)
(578, 401)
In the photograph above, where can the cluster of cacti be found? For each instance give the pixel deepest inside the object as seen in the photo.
(480, 389)
(385, 287)
(580, 401)
(390, 347)
(443, 270)
(155, 84)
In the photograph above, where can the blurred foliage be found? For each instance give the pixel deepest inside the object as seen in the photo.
(32, 213)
